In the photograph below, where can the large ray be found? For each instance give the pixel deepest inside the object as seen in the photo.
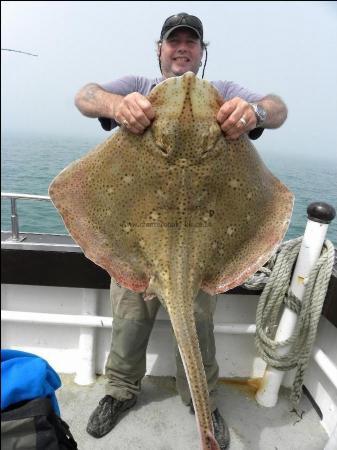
(177, 209)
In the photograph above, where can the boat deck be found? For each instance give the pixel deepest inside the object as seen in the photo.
(160, 421)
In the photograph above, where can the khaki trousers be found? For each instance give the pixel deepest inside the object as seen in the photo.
(133, 319)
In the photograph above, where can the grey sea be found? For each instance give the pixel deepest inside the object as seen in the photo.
(29, 163)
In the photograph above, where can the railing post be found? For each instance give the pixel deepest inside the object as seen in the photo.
(15, 223)
(14, 220)
(15, 233)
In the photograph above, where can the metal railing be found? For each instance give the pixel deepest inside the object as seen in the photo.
(15, 236)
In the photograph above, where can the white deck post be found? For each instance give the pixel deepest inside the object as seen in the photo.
(319, 217)
(86, 368)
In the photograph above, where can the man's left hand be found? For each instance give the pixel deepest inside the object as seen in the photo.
(236, 117)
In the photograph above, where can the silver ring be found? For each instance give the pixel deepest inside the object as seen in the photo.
(125, 123)
(243, 121)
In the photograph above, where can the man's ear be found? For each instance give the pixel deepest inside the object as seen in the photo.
(159, 49)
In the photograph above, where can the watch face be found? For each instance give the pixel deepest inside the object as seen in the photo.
(261, 113)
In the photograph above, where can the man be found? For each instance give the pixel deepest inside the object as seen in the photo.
(123, 102)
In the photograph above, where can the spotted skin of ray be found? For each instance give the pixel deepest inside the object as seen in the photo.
(174, 210)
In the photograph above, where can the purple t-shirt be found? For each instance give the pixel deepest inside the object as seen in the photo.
(126, 85)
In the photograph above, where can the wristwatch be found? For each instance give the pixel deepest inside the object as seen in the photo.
(260, 113)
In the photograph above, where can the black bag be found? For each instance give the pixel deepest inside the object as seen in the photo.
(33, 425)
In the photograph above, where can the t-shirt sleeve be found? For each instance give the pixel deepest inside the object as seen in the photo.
(229, 90)
(121, 86)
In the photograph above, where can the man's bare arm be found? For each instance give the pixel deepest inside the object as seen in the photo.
(276, 111)
(133, 111)
(93, 101)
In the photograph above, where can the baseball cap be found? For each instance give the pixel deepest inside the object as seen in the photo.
(182, 20)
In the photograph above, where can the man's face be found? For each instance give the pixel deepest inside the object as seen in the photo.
(180, 52)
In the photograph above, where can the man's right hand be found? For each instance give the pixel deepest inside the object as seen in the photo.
(134, 112)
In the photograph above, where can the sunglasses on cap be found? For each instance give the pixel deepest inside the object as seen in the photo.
(182, 19)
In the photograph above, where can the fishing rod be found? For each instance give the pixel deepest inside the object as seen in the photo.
(18, 51)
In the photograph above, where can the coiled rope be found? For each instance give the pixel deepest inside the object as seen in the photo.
(275, 276)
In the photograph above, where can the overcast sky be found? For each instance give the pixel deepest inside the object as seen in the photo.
(286, 48)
